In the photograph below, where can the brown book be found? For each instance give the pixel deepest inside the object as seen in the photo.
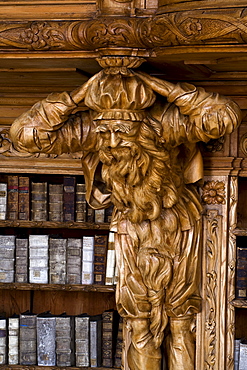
(39, 201)
(69, 198)
(81, 205)
(109, 333)
(12, 202)
(24, 200)
(90, 214)
(56, 202)
(241, 271)
(100, 252)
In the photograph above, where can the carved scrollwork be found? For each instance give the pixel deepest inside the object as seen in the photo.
(185, 28)
(213, 192)
(214, 145)
(212, 242)
(243, 144)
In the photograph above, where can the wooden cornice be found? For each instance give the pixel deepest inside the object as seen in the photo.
(190, 28)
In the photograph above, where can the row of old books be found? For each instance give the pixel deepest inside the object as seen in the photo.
(23, 199)
(49, 340)
(44, 259)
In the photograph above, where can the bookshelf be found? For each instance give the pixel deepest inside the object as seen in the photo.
(74, 299)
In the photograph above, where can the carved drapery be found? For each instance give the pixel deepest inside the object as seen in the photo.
(195, 27)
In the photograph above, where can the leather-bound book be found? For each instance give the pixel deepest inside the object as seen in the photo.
(69, 198)
(21, 260)
(87, 260)
(3, 200)
(28, 338)
(81, 204)
(65, 349)
(109, 336)
(56, 202)
(46, 344)
(39, 211)
(12, 203)
(57, 260)
(99, 216)
(110, 260)
(119, 345)
(3, 341)
(82, 354)
(108, 214)
(74, 255)
(95, 340)
(38, 259)
(13, 340)
(24, 198)
(100, 251)
(241, 272)
(7, 258)
(90, 214)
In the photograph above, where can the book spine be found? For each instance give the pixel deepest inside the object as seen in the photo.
(241, 273)
(74, 260)
(38, 259)
(107, 338)
(46, 351)
(99, 216)
(65, 341)
(119, 345)
(24, 198)
(56, 202)
(242, 355)
(69, 198)
(7, 258)
(110, 260)
(87, 260)
(100, 250)
(57, 260)
(12, 202)
(3, 341)
(108, 214)
(82, 341)
(95, 341)
(21, 260)
(3, 201)
(28, 339)
(81, 205)
(39, 201)
(236, 353)
(90, 214)
(13, 341)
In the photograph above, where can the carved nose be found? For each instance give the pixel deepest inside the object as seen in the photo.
(115, 140)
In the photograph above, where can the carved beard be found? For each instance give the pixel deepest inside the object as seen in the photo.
(139, 179)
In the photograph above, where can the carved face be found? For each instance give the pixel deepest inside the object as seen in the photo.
(113, 134)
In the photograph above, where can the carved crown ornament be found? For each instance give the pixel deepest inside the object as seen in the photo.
(195, 27)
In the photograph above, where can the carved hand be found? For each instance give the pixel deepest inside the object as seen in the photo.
(78, 94)
(160, 86)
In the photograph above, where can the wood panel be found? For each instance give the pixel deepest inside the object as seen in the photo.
(13, 301)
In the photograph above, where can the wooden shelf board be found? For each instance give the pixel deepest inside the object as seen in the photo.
(54, 225)
(240, 231)
(60, 287)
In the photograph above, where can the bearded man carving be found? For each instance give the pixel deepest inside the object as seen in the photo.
(139, 139)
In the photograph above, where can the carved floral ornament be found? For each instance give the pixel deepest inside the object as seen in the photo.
(185, 28)
(213, 192)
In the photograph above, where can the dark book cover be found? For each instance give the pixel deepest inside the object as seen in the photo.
(241, 273)
(119, 345)
(69, 198)
(28, 338)
(100, 253)
(110, 320)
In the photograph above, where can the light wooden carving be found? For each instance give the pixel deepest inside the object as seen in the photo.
(139, 138)
(194, 27)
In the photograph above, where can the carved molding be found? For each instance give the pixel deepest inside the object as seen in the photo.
(186, 28)
(231, 273)
(213, 192)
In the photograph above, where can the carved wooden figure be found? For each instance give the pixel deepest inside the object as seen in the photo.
(139, 134)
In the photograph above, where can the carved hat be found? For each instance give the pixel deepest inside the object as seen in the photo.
(117, 93)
